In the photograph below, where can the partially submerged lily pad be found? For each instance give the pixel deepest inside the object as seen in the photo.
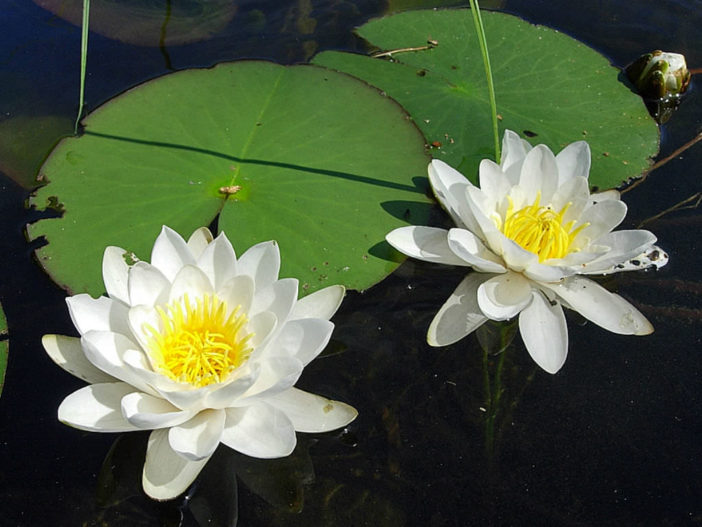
(154, 23)
(25, 141)
(312, 158)
(549, 87)
(4, 346)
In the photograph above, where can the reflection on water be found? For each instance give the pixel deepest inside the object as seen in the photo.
(453, 436)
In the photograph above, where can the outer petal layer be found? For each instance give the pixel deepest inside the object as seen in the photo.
(312, 413)
(166, 474)
(259, 430)
(460, 314)
(544, 332)
(424, 243)
(605, 309)
(96, 408)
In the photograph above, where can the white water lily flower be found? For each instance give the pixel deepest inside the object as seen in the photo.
(202, 348)
(530, 231)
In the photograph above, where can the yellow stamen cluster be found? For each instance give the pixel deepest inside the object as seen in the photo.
(540, 229)
(198, 343)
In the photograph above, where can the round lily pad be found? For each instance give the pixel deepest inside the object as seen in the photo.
(315, 159)
(549, 88)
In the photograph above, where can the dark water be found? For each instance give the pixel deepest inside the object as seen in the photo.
(612, 439)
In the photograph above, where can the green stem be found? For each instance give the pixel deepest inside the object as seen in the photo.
(480, 31)
(83, 60)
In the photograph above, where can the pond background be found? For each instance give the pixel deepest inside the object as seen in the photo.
(612, 439)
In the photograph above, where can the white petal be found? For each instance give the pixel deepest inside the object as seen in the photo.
(449, 187)
(605, 309)
(259, 430)
(170, 253)
(312, 413)
(96, 408)
(229, 392)
(218, 261)
(605, 195)
(545, 272)
(166, 474)
(190, 281)
(147, 285)
(624, 246)
(198, 438)
(262, 263)
(539, 174)
(574, 192)
(516, 257)
(302, 339)
(102, 314)
(486, 228)
(115, 273)
(424, 243)
(493, 181)
(514, 150)
(238, 291)
(199, 240)
(460, 314)
(67, 352)
(148, 412)
(182, 395)
(503, 296)
(106, 349)
(140, 318)
(277, 374)
(573, 161)
(262, 326)
(320, 304)
(278, 298)
(471, 249)
(602, 217)
(544, 332)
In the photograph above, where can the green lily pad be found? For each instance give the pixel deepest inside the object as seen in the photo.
(549, 87)
(4, 347)
(315, 159)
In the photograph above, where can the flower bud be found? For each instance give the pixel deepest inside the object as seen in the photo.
(659, 74)
(661, 78)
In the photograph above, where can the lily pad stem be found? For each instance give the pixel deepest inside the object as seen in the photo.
(480, 31)
(83, 60)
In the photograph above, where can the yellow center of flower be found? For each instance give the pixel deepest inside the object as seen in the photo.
(199, 343)
(540, 229)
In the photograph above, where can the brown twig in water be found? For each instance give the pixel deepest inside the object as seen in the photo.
(663, 161)
(678, 206)
(430, 45)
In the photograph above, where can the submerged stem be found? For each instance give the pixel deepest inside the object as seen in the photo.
(480, 31)
(83, 60)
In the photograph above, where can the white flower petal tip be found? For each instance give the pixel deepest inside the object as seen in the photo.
(320, 304)
(313, 413)
(166, 474)
(67, 352)
(242, 338)
(529, 232)
(652, 258)
(544, 332)
(424, 243)
(460, 315)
